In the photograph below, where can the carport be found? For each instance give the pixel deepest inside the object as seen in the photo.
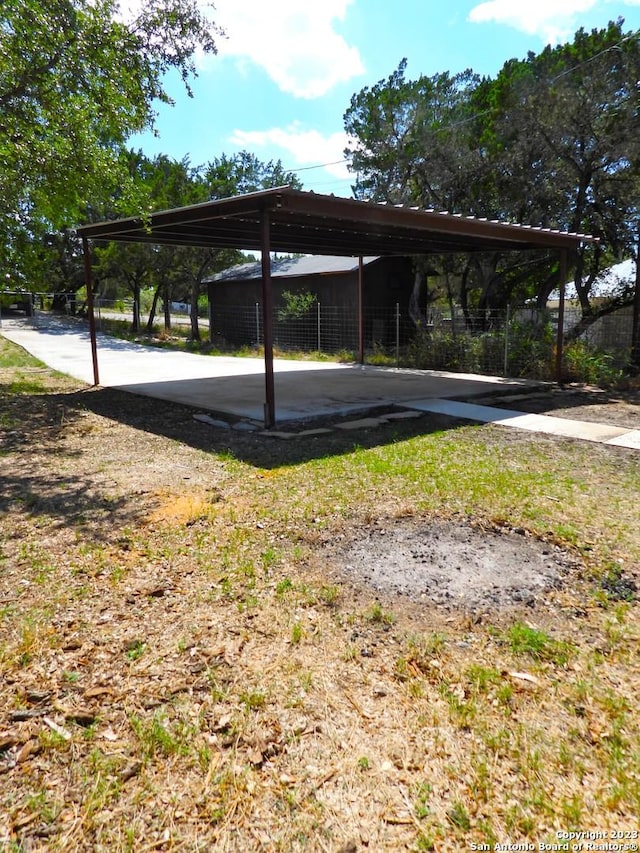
(288, 220)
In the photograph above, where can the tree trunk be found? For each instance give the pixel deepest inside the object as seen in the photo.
(153, 309)
(195, 328)
(414, 300)
(166, 300)
(135, 321)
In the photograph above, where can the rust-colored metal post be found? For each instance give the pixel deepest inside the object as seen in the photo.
(360, 310)
(267, 323)
(560, 337)
(635, 321)
(92, 319)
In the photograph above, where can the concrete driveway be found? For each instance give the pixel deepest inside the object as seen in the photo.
(235, 387)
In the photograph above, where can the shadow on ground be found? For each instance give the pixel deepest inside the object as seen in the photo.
(613, 406)
(33, 455)
(176, 422)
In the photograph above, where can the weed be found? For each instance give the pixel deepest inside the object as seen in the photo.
(350, 652)
(377, 614)
(50, 740)
(253, 700)
(401, 670)
(421, 800)
(459, 817)
(536, 644)
(71, 677)
(155, 736)
(586, 363)
(269, 558)
(102, 782)
(329, 594)
(461, 711)
(482, 678)
(573, 812)
(135, 649)
(37, 560)
(39, 804)
(296, 633)
(284, 586)
(305, 680)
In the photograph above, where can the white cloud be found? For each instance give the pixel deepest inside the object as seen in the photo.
(304, 147)
(294, 42)
(552, 20)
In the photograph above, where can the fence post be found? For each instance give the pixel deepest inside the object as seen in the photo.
(397, 335)
(319, 347)
(506, 343)
(257, 325)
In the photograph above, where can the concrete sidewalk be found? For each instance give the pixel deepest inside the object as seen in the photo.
(235, 387)
(564, 427)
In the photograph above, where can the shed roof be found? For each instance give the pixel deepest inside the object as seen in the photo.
(314, 224)
(292, 268)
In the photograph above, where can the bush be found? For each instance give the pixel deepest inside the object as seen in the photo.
(296, 305)
(531, 349)
(586, 363)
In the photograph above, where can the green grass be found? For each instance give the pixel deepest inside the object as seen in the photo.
(530, 642)
(13, 356)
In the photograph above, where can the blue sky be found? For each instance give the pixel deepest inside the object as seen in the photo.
(284, 75)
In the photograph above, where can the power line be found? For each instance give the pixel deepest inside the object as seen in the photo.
(482, 113)
(318, 166)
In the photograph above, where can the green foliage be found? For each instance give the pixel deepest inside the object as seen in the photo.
(530, 349)
(58, 60)
(244, 173)
(551, 141)
(586, 363)
(156, 737)
(297, 304)
(529, 353)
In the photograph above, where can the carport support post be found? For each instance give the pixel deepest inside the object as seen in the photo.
(92, 319)
(361, 310)
(267, 321)
(560, 336)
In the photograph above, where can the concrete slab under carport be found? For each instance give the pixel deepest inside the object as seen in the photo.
(235, 387)
(305, 390)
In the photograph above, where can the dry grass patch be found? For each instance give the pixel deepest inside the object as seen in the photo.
(185, 668)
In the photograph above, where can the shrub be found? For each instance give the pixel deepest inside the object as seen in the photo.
(586, 363)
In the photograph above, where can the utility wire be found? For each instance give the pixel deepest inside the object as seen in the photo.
(482, 113)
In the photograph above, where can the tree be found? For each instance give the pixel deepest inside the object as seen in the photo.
(167, 184)
(417, 143)
(75, 82)
(567, 122)
(244, 173)
(224, 177)
(552, 141)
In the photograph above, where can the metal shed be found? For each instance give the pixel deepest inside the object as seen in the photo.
(288, 220)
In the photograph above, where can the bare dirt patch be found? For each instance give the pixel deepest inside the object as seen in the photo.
(457, 566)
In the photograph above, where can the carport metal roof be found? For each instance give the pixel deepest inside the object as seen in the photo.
(288, 220)
(313, 224)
